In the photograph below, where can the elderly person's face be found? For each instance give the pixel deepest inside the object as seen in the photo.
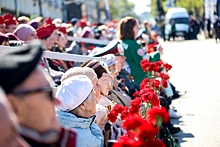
(2, 28)
(32, 36)
(105, 84)
(8, 126)
(120, 60)
(35, 110)
(113, 71)
(89, 105)
(10, 28)
(97, 87)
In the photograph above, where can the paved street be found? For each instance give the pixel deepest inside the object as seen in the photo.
(196, 68)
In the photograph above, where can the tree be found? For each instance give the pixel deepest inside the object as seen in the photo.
(120, 8)
(192, 6)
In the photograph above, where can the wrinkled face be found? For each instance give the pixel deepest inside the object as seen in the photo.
(105, 84)
(90, 105)
(97, 88)
(35, 110)
(10, 28)
(32, 36)
(48, 43)
(2, 28)
(9, 128)
(113, 71)
(120, 61)
(136, 29)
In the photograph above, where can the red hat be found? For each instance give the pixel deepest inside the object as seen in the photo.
(43, 32)
(1, 20)
(63, 30)
(82, 23)
(9, 20)
(48, 20)
(51, 27)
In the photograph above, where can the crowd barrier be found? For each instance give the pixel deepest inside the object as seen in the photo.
(88, 40)
(60, 56)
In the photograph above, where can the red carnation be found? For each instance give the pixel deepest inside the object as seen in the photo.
(125, 113)
(144, 83)
(144, 64)
(112, 116)
(151, 97)
(118, 108)
(164, 83)
(157, 115)
(155, 83)
(167, 66)
(136, 94)
(147, 130)
(135, 105)
(163, 76)
(133, 122)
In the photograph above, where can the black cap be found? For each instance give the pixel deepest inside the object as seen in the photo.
(114, 47)
(17, 63)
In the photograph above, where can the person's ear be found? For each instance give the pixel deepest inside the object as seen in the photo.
(14, 103)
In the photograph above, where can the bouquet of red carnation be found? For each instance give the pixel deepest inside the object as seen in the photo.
(143, 118)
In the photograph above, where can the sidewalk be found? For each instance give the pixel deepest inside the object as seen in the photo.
(196, 68)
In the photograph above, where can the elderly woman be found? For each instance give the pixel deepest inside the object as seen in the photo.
(25, 32)
(101, 112)
(77, 109)
(102, 73)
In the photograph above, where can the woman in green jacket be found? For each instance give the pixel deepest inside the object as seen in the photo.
(127, 32)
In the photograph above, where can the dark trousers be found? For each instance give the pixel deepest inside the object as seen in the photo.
(173, 35)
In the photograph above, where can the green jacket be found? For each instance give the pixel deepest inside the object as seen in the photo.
(134, 54)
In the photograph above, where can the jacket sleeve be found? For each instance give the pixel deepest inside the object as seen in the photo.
(98, 136)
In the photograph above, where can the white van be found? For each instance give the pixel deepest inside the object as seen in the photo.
(181, 18)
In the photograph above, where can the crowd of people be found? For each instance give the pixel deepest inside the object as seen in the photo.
(50, 102)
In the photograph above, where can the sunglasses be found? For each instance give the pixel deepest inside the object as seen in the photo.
(45, 89)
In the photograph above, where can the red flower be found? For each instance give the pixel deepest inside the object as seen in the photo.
(144, 64)
(125, 113)
(152, 98)
(112, 116)
(159, 63)
(118, 108)
(167, 66)
(136, 94)
(164, 83)
(157, 115)
(144, 83)
(155, 83)
(135, 105)
(133, 122)
(147, 130)
(163, 76)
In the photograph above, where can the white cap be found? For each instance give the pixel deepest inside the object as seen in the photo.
(110, 59)
(73, 91)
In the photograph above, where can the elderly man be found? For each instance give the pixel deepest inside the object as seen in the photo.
(9, 125)
(29, 91)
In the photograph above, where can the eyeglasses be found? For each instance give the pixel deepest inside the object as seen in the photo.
(46, 89)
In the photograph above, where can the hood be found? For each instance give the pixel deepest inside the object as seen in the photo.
(71, 121)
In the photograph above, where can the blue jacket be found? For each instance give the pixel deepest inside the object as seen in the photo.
(88, 133)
